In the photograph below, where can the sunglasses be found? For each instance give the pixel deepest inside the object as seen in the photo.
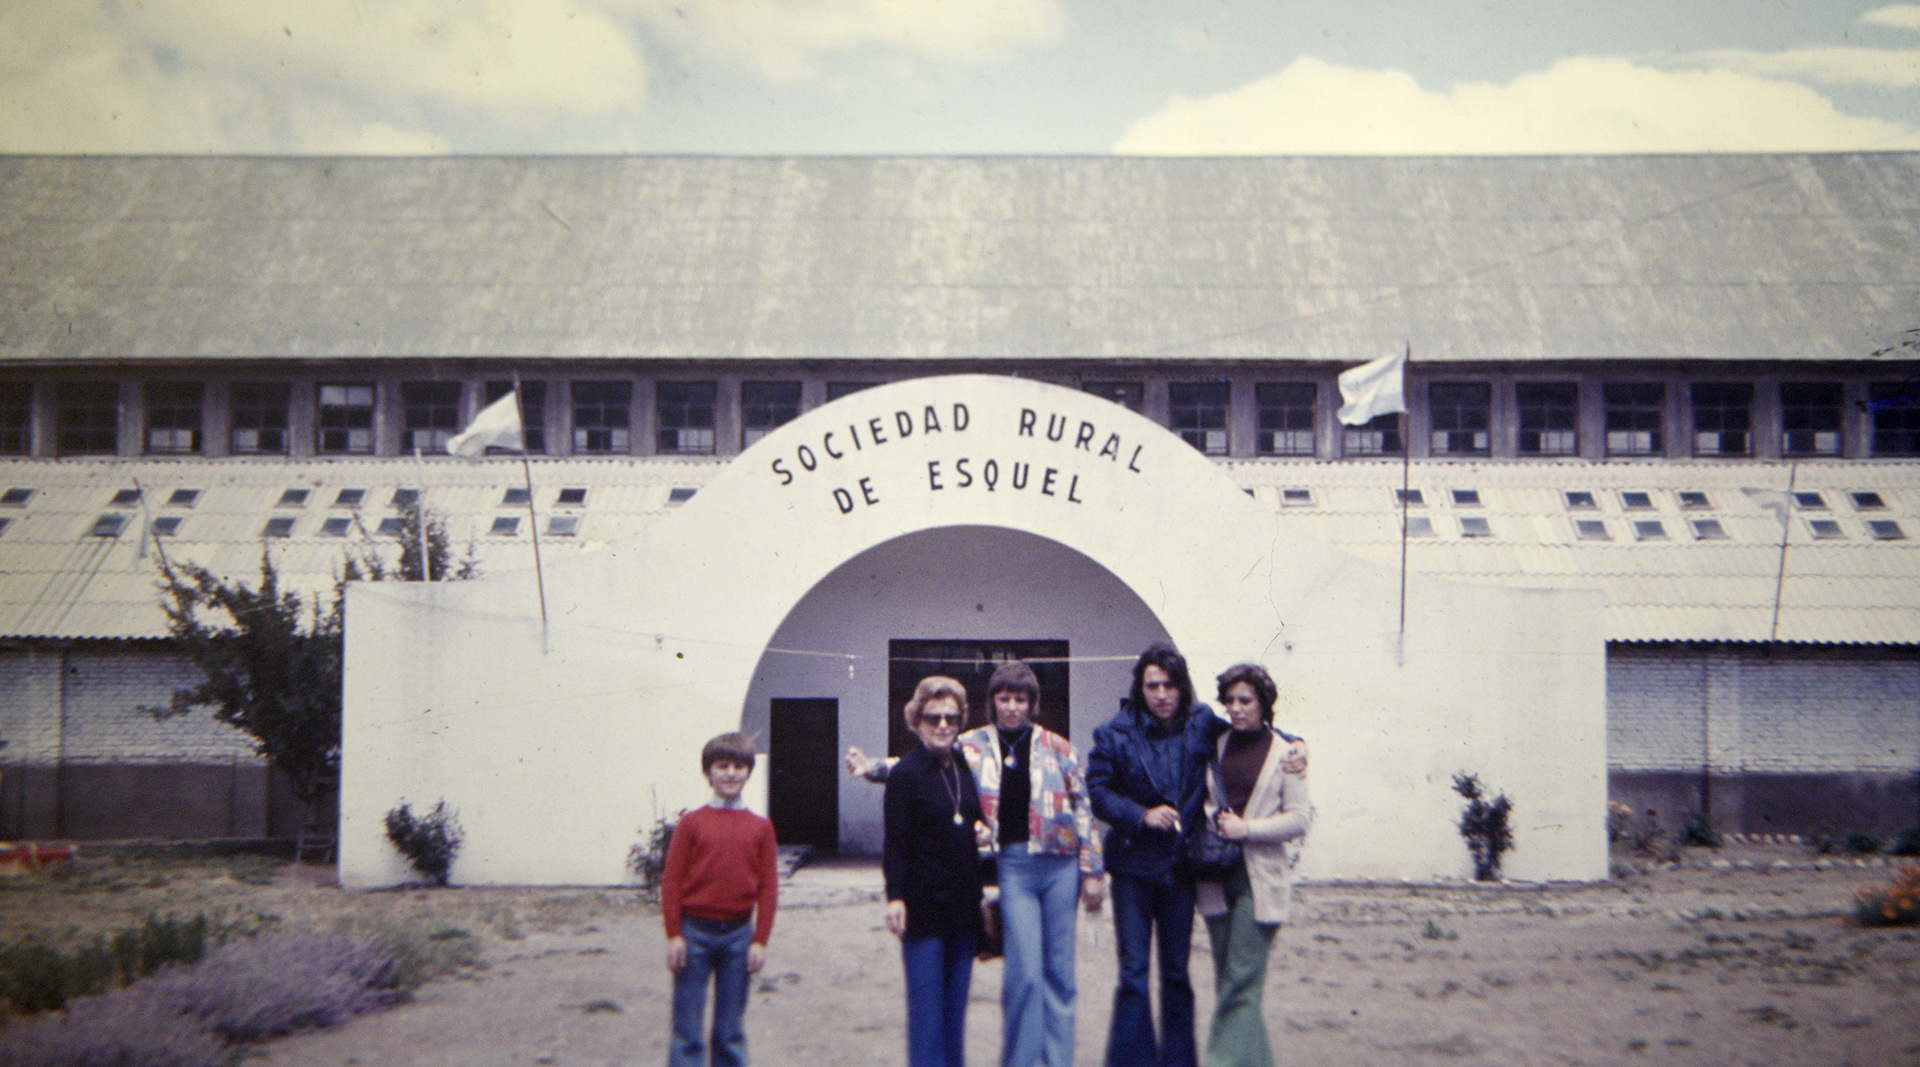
(942, 718)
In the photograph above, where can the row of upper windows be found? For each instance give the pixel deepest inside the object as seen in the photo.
(597, 417)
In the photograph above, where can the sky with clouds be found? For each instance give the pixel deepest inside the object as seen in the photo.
(1187, 77)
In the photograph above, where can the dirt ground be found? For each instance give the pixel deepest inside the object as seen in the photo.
(1747, 962)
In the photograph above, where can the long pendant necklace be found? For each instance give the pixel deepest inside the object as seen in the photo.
(1013, 760)
(952, 789)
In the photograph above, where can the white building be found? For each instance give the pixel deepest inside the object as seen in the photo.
(1619, 365)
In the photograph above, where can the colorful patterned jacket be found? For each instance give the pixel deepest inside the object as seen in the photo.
(1059, 817)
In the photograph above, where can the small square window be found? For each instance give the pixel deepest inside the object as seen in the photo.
(4, 523)
(572, 496)
(336, 526)
(183, 498)
(1419, 526)
(1810, 501)
(126, 498)
(1886, 530)
(1649, 530)
(281, 526)
(349, 498)
(1466, 498)
(1636, 501)
(1409, 497)
(1581, 500)
(1709, 530)
(1475, 526)
(1296, 498)
(108, 525)
(1826, 530)
(16, 498)
(1861, 502)
(1694, 500)
(293, 498)
(392, 527)
(680, 494)
(166, 526)
(1248, 491)
(405, 498)
(504, 526)
(1591, 530)
(514, 498)
(563, 526)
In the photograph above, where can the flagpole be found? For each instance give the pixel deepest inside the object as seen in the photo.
(1780, 579)
(533, 517)
(420, 514)
(1406, 484)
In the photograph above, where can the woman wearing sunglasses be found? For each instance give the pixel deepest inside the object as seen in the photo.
(933, 831)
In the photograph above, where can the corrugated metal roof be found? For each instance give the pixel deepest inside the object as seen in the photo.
(59, 580)
(1851, 589)
(1722, 257)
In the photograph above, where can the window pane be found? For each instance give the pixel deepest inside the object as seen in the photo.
(259, 417)
(1462, 413)
(87, 415)
(1895, 407)
(1722, 418)
(765, 406)
(600, 416)
(1286, 412)
(1380, 437)
(1549, 418)
(1129, 395)
(173, 416)
(1197, 411)
(685, 417)
(16, 418)
(346, 420)
(430, 415)
(1810, 414)
(1636, 417)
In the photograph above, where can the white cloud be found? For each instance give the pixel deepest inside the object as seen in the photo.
(1899, 16)
(1892, 68)
(783, 41)
(298, 75)
(1579, 105)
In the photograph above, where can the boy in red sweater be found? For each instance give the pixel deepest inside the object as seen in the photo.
(717, 896)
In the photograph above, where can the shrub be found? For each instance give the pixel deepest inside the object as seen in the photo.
(1897, 904)
(1619, 817)
(1906, 843)
(647, 859)
(1646, 837)
(1484, 823)
(35, 976)
(1862, 843)
(429, 842)
(1699, 830)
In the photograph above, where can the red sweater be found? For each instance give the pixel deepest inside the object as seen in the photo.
(719, 866)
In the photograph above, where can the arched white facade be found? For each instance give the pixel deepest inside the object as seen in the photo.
(556, 747)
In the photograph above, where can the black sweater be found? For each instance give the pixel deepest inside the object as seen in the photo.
(930, 863)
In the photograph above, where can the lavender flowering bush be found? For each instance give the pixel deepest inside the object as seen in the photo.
(189, 1016)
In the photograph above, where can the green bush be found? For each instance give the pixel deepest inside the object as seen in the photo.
(35, 976)
(1862, 843)
(1699, 831)
(1907, 843)
(429, 842)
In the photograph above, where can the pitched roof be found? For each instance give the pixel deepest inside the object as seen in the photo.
(1779, 257)
(1841, 584)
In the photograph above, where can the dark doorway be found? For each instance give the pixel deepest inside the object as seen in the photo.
(971, 663)
(803, 793)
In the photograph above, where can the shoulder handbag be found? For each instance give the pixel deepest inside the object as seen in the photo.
(1206, 855)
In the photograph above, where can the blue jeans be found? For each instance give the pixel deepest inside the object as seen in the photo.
(939, 972)
(1143, 909)
(1038, 895)
(716, 950)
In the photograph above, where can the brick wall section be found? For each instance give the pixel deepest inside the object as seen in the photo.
(1800, 711)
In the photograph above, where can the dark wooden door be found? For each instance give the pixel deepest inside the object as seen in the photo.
(971, 663)
(803, 794)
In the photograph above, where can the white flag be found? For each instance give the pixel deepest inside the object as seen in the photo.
(1371, 389)
(497, 426)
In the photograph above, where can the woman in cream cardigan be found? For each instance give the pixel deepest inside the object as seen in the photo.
(1254, 802)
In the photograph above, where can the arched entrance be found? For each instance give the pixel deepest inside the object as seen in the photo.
(556, 744)
(947, 600)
